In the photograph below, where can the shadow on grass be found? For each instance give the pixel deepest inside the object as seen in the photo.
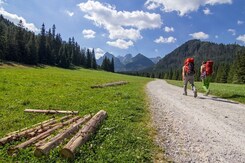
(221, 99)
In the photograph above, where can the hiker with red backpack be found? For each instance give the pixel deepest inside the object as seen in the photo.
(188, 73)
(206, 75)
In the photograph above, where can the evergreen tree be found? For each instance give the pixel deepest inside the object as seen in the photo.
(88, 59)
(42, 54)
(32, 50)
(112, 65)
(94, 64)
(57, 43)
(240, 71)
(3, 31)
(11, 49)
(21, 48)
(232, 72)
(106, 64)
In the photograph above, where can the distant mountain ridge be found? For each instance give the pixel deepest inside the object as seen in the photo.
(199, 50)
(128, 62)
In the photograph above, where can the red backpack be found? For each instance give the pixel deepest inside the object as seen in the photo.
(189, 66)
(209, 67)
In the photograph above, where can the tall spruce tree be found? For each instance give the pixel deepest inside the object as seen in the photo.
(21, 48)
(3, 31)
(112, 65)
(94, 64)
(32, 50)
(42, 46)
(88, 59)
(240, 71)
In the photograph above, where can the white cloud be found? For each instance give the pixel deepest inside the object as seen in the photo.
(16, 19)
(199, 35)
(98, 53)
(183, 7)
(120, 24)
(2, 2)
(233, 31)
(216, 36)
(119, 43)
(207, 11)
(168, 29)
(241, 38)
(239, 22)
(69, 13)
(88, 33)
(165, 40)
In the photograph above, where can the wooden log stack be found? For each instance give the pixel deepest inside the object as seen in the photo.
(81, 128)
(32, 131)
(41, 136)
(83, 135)
(45, 148)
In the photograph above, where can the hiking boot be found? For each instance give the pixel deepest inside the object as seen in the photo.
(195, 93)
(185, 93)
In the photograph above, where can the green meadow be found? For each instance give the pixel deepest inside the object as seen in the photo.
(125, 136)
(235, 92)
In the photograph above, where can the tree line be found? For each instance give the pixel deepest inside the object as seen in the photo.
(223, 72)
(229, 62)
(20, 45)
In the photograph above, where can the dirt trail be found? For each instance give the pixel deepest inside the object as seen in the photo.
(202, 129)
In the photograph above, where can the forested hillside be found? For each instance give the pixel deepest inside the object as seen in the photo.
(23, 46)
(229, 61)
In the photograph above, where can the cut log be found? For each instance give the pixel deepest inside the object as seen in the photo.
(43, 135)
(109, 84)
(51, 111)
(83, 135)
(32, 131)
(45, 148)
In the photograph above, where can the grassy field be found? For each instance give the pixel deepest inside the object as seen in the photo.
(125, 136)
(234, 92)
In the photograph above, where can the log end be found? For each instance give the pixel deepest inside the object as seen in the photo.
(67, 153)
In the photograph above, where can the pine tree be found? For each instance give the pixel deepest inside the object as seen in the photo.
(106, 64)
(21, 48)
(88, 59)
(240, 71)
(83, 58)
(3, 31)
(94, 64)
(32, 50)
(11, 48)
(112, 65)
(231, 72)
(42, 54)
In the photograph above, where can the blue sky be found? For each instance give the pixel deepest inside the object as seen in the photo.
(151, 27)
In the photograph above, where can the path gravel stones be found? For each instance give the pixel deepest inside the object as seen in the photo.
(202, 129)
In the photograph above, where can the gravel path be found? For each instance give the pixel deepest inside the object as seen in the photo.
(202, 129)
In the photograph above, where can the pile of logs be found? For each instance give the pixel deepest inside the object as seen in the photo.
(77, 129)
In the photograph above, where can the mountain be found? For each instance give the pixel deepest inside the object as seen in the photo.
(117, 63)
(128, 62)
(155, 60)
(138, 62)
(199, 50)
(126, 59)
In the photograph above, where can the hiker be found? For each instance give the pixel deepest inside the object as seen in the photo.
(206, 73)
(188, 73)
